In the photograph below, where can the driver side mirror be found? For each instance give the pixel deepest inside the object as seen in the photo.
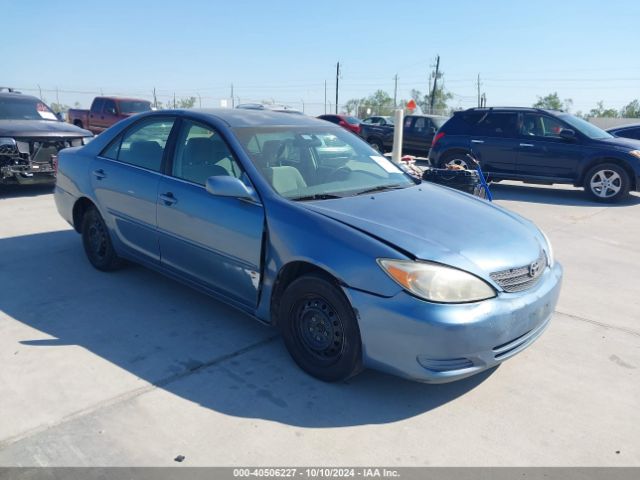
(226, 186)
(568, 135)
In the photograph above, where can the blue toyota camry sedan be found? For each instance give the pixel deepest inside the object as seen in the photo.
(305, 227)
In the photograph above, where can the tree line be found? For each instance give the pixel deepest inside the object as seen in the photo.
(552, 102)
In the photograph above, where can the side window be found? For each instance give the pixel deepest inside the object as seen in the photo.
(631, 133)
(109, 107)
(202, 153)
(541, 126)
(96, 106)
(498, 124)
(407, 122)
(420, 124)
(143, 144)
(369, 121)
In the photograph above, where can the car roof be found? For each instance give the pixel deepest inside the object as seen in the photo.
(239, 117)
(426, 115)
(18, 95)
(517, 109)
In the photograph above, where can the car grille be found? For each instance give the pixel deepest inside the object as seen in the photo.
(521, 278)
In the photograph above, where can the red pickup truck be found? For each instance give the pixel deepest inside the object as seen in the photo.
(105, 111)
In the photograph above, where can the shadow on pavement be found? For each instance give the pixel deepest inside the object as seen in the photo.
(14, 191)
(552, 196)
(187, 343)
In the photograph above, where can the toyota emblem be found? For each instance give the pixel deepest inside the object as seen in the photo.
(534, 269)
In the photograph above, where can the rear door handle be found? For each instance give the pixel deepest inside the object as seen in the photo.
(526, 144)
(477, 141)
(168, 199)
(99, 174)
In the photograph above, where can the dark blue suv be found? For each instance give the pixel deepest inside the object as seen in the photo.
(540, 146)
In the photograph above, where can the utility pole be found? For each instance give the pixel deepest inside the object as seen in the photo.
(174, 100)
(337, 84)
(233, 101)
(57, 97)
(302, 100)
(199, 101)
(40, 90)
(395, 92)
(479, 96)
(325, 97)
(435, 84)
(155, 99)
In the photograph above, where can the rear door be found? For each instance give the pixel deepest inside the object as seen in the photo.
(543, 153)
(213, 241)
(125, 178)
(495, 142)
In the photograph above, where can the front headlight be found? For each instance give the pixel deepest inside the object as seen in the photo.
(437, 283)
(635, 153)
(550, 258)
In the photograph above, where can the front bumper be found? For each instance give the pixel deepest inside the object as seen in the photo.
(437, 343)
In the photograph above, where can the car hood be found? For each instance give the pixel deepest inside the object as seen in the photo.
(430, 222)
(622, 142)
(40, 128)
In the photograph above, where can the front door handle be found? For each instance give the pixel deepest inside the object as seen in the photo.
(526, 144)
(99, 174)
(168, 199)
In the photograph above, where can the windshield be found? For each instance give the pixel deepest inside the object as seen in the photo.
(25, 108)
(305, 163)
(134, 106)
(389, 120)
(352, 120)
(586, 128)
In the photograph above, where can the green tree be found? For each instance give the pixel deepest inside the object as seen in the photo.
(553, 102)
(379, 103)
(601, 111)
(440, 104)
(631, 110)
(187, 102)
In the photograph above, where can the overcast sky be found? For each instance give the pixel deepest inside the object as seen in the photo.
(285, 50)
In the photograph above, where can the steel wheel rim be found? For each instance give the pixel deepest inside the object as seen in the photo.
(459, 162)
(97, 239)
(605, 183)
(319, 328)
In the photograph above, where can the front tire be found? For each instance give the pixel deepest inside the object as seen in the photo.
(97, 242)
(320, 329)
(607, 182)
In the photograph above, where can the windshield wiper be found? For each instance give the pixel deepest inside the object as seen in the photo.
(381, 188)
(315, 196)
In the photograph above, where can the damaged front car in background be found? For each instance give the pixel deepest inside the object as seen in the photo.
(31, 136)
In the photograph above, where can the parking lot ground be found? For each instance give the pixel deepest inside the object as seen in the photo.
(131, 368)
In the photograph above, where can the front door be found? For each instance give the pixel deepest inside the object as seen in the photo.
(543, 153)
(214, 241)
(418, 135)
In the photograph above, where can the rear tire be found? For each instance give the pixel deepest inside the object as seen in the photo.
(377, 144)
(97, 242)
(607, 183)
(320, 329)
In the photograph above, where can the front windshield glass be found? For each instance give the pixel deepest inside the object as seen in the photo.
(586, 128)
(306, 163)
(134, 106)
(25, 108)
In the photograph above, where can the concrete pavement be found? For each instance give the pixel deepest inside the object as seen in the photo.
(131, 368)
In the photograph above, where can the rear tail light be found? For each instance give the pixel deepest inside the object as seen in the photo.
(356, 128)
(436, 138)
